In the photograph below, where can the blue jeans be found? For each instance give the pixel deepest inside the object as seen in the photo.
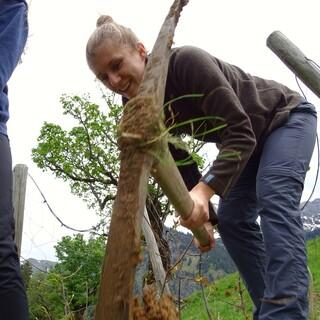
(271, 255)
(13, 301)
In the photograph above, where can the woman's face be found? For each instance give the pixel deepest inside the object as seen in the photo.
(120, 68)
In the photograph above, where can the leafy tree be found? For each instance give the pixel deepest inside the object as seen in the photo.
(44, 297)
(79, 265)
(26, 272)
(69, 289)
(87, 157)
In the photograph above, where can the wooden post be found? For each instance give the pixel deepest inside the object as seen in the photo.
(156, 262)
(169, 178)
(20, 173)
(295, 60)
(123, 246)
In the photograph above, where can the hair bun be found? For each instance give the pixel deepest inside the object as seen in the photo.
(103, 20)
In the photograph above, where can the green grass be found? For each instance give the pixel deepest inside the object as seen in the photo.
(314, 266)
(227, 300)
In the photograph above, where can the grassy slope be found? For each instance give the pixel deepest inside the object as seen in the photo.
(314, 266)
(224, 298)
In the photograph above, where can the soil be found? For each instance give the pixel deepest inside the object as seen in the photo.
(153, 308)
(141, 125)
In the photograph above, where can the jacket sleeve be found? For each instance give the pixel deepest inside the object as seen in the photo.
(196, 71)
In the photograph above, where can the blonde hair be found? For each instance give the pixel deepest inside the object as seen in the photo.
(108, 29)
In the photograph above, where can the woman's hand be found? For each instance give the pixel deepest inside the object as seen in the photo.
(209, 228)
(199, 216)
(200, 194)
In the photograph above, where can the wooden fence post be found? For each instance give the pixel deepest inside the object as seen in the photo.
(295, 60)
(20, 173)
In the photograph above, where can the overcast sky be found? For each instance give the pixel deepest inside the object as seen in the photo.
(54, 63)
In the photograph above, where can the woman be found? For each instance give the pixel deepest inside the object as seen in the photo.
(265, 145)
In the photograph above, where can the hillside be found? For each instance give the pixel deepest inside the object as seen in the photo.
(214, 265)
(227, 300)
(311, 218)
(224, 293)
(41, 265)
(217, 263)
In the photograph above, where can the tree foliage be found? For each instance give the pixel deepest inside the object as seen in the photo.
(26, 272)
(45, 297)
(80, 263)
(69, 289)
(86, 156)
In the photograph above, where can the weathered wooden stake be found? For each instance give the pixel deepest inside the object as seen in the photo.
(20, 173)
(123, 246)
(295, 60)
(155, 258)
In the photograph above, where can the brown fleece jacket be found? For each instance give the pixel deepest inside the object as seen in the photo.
(248, 107)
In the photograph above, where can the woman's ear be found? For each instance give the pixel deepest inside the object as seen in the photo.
(141, 49)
